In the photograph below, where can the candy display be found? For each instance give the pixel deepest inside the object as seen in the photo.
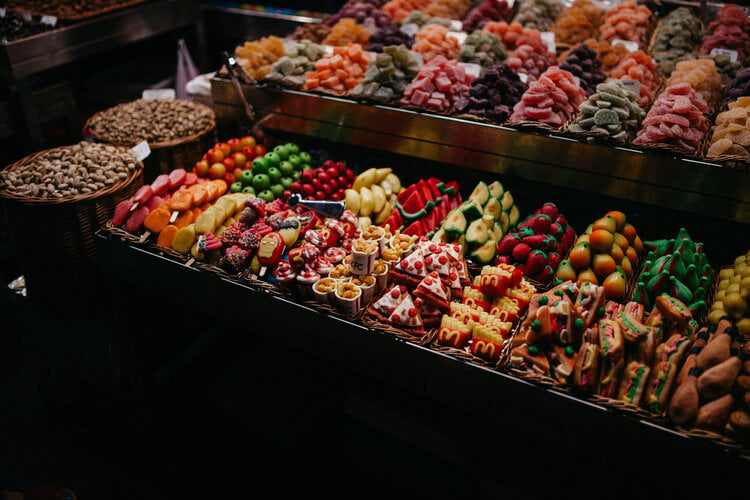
(610, 55)
(448, 9)
(482, 48)
(418, 19)
(437, 86)
(391, 35)
(611, 112)
(527, 52)
(484, 11)
(433, 40)
(347, 31)
(553, 99)
(677, 37)
(480, 222)
(398, 10)
(373, 195)
(257, 56)
(298, 59)
(577, 22)
(675, 120)
(607, 253)
(538, 244)
(640, 67)
(729, 33)
(340, 71)
(701, 75)
(314, 32)
(493, 94)
(583, 64)
(678, 268)
(387, 75)
(628, 21)
(537, 14)
(363, 13)
(730, 135)
(732, 295)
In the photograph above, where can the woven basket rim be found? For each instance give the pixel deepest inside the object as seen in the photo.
(31, 200)
(159, 145)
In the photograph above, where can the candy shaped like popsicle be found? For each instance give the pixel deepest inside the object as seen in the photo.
(161, 184)
(122, 212)
(135, 221)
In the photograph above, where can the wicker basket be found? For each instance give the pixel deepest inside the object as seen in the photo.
(54, 239)
(167, 156)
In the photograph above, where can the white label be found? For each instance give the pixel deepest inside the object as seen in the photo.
(631, 46)
(576, 80)
(472, 69)
(456, 25)
(523, 77)
(458, 35)
(141, 150)
(410, 29)
(150, 94)
(26, 17)
(49, 20)
(511, 3)
(633, 86)
(548, 38)
(725, 52)
(2, 11)
(328, 50)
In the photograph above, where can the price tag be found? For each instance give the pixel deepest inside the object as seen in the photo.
(26, 16)
(152, 94)
(725, 52)
(511, 3)
(576, 80)
(632, 85)
(458, 35)
(328, 50)
(631, 46)
(2, 11)
(49, 20)
(548, 38)
(141, 150)
(523, 77)
(410, 29)
(456, 25)
(472, 69)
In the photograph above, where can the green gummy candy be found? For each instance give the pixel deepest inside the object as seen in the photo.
(606, 117)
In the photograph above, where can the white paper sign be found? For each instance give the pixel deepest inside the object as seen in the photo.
(141, 150)
(2, 11)
(458, 35)
(725, 52)
(327, 49)
(576, 80)
(457, 25)
(150, 94)
(548, 38)
(49, 20)
(472, 69)
(410, 29)
(26, 17)
(632, 85)
(523, 77)
(631, 46)
(511, 3)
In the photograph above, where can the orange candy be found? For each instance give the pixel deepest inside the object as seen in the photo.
(256, 57)
(638, 65)
(433, 40)
(340, 71)
(577, 22)
(701, 74)
(346, 31)
(448, 9)
(398, 10)
(510, 33)
(627, 21)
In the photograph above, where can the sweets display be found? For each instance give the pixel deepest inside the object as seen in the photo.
(677, 37)
(609, 54)
(527, 52)
(482, 48)
(69, 171)
(257, 56)
(677, 267)
(437, 86)
(732, 295)
(612, 112)
(398, 10)
(152, 120)
(493, 94)
(676, 119)
(729, 32)
(628, 21)
(607, 253)
(537, 14)
(702, 76)
(315, 32)
(432, 41)
(363, 13)
(583, 63)
(418, 19)
(553, 99)
(387, 75)
(577, 22)
(640, 67)
(730, 135)
(448, 9)
(484, 11)
(391, 35)
(479, 223)
(340, 71)
(347, 31)
(299, 58)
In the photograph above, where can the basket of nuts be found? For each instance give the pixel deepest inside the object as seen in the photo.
(178, 131)
(55, 201)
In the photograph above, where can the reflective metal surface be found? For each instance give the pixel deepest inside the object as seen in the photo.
(692, 186)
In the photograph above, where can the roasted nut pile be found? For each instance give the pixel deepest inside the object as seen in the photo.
(69, 171)
(152, 120)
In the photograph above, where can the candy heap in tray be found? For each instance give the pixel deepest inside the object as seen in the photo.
(447, 57)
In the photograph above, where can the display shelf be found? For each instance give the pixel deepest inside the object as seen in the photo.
(692, 186)
(539, 414)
